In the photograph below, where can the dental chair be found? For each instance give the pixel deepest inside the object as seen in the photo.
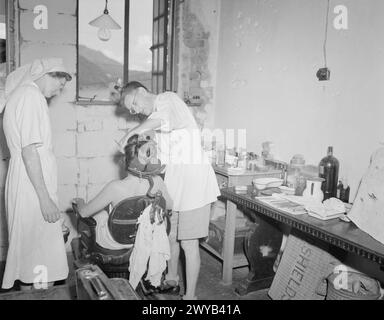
(122, 226)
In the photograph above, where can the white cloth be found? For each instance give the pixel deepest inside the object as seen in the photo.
(151, 244)
(160, 253)
(33, 242)
(189, 177)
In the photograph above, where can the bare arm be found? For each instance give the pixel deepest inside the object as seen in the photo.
(31, 159)
(101, 201)
(147, 125)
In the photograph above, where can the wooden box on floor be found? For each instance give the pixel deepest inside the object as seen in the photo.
(93, 284)
(215, 241)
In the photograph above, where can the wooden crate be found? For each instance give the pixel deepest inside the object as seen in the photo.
(215, 241)
(93, 284)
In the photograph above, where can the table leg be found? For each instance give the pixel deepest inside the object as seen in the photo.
(229, 242)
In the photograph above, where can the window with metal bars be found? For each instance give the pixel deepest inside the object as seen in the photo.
(163, 43)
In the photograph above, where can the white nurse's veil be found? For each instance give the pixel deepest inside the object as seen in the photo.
(28, 73)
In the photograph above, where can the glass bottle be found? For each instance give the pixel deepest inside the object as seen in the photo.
(344, 195)
(329, 170)
(340, 189)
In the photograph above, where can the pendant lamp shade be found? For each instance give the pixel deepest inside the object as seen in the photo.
(105, 21)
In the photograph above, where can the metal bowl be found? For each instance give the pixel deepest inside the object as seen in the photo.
(263, 183)
(259, 186)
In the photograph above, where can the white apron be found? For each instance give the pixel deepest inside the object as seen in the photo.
(36, 247)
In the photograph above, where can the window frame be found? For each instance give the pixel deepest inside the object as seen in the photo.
(168, 45)
(89, 100)
(12, 34)
(12, 19)
(171, 47)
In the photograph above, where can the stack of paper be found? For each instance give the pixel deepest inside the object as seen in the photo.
(286, 205)
(330, 209)
(296, 205)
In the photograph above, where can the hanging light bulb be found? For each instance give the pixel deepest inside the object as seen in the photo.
(105, 23)
(104, 34)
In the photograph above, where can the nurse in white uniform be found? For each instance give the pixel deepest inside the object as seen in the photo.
(189, 177)
(36, 252)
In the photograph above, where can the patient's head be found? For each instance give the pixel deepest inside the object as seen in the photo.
(140, 154)
(132, 152)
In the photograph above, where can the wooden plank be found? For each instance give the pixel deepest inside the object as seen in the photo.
(211, 250)
(229, 242)
(240, 260)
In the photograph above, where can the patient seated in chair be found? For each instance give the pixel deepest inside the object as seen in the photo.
(142, 182)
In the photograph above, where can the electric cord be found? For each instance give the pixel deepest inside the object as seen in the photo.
(326, 34)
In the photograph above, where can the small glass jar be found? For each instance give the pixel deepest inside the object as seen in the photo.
(301, 184)
(295, 178)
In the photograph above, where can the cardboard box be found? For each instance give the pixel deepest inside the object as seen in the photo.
(302, 271)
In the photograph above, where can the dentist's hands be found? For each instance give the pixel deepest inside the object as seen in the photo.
(147, 125)
(122, 143)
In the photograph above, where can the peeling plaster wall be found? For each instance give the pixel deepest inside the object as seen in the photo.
(197, 41)
(269, 53)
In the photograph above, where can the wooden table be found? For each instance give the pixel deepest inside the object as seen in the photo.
(335, 232)
(225, 179)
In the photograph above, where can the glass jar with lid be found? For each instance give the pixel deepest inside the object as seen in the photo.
(295, 178)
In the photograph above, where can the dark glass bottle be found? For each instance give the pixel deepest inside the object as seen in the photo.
(329, 170)
(340, 189)
(344, 196)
